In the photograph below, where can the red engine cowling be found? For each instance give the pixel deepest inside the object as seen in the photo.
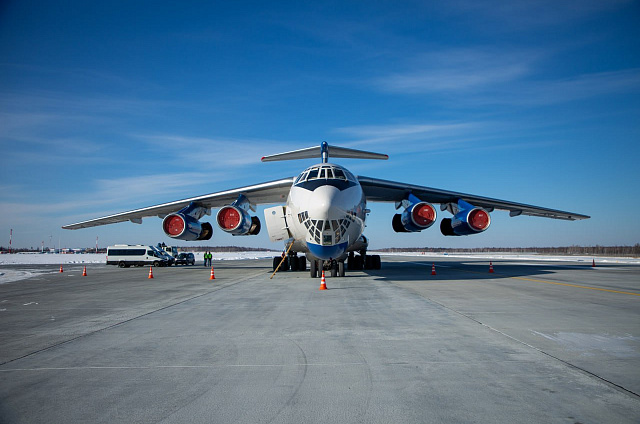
(185, 227)
(466, 222)
(417, 217)
(237, 222)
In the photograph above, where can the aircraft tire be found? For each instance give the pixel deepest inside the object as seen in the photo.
(293, 262)
(341, 269)
(302, 263)
(334, 270)
(285, 265)
(314, 269)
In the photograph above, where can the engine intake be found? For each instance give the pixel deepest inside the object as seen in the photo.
(466, 222)
(237, 221)
(416, 217)
(185, 227)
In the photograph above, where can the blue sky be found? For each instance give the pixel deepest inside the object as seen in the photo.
(111, 106)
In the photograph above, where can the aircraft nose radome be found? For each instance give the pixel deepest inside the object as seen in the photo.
(322, 204)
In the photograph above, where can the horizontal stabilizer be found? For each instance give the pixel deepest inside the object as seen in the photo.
(324, 151)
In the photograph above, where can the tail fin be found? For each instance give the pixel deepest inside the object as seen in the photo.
(324, 151)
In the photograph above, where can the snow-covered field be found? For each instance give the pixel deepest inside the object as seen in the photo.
(30, 261)
(100, 258)
(522, 257)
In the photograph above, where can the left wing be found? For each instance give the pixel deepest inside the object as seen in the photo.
(269, 192)
(377, 190)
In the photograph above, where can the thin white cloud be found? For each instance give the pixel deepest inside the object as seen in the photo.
(218, 153)
(498, 15)
(457, 70)
(569, 89)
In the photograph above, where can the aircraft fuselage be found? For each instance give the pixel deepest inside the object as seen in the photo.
(326, 211)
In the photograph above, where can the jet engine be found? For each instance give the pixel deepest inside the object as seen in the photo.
(235, 220)
(185, 227)
(417, 216)
(468, 220)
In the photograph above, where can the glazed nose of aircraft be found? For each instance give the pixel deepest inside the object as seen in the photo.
(325, 208)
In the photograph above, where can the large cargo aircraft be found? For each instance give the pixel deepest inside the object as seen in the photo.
(322, 212)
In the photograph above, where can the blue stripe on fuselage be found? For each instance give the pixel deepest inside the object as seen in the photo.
(327, 252)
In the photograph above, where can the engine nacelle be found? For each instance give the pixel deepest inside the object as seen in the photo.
(416, 217)
(466, 222)
(185, 227)
(237, 221)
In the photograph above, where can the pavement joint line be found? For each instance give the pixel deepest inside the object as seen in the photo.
(319, 364)
(536, 280)
(213, 289)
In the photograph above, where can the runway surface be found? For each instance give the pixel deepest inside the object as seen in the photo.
(536, 342)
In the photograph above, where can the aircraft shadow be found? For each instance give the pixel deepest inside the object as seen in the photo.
(466, 270)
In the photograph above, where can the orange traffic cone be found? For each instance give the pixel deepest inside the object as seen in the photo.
(84, 271)
(150, 272)
(61, 268)
(433, 269)
(212, 277)
(490, 267)
(323, 283)
(593, 264)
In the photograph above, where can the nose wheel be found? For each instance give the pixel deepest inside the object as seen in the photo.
(336, 268)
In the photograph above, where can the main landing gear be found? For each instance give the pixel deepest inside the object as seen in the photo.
(292, 262)
(337, 268)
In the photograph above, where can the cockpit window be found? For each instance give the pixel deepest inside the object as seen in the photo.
(313, 174)
(329, 172)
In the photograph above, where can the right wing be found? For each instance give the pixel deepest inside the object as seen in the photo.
(377, 190)
(269, 192)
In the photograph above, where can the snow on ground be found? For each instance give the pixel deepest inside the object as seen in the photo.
(100, 258)
(32, 260)
(51, 259)
(29, 260)
(518, 257)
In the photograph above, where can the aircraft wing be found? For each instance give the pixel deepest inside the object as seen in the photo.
(377, 190)
(269, 192)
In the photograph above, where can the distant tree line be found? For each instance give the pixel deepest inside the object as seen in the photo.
(222, 249)
(632, 251)
(597, 250)
(180, 249)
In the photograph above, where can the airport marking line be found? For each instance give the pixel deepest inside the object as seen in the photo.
(539, 281)
(575, 285)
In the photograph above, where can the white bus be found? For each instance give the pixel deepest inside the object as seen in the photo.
(125, 255)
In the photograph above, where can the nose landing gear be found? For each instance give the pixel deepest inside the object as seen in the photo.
(336, 268)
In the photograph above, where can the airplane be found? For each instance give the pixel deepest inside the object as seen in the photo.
(321, 212)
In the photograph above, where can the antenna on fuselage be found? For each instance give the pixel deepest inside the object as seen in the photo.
(324, 151)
